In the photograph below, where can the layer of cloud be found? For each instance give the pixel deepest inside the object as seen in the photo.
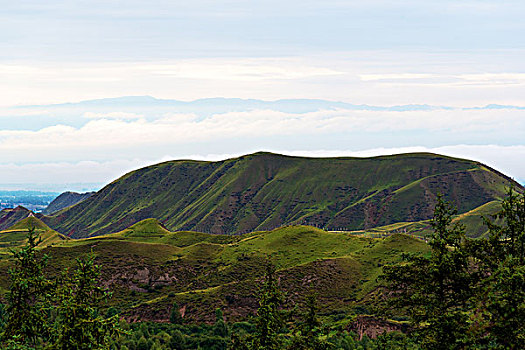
(120, 130)
(507, 159)
(113, 115)
(119, 135)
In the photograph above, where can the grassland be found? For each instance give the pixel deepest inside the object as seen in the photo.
(148, 267)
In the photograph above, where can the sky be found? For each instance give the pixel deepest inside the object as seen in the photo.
(460, 62)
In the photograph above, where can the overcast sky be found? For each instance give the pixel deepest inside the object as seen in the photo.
(458, 54)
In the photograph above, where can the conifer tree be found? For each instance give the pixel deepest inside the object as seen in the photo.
(501, 297)
(436, 291)
(54, 313)
(78, 325)
(269, 319)
(175, 315)
(309, 333)
(28, 296)
(220, 328)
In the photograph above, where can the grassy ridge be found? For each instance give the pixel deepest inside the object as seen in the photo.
(472, 220)
(263, 191)
(15, 236)
(148, 267)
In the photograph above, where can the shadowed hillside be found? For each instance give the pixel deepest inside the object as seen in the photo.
(263, 191)
(9, 217)
(65, 200)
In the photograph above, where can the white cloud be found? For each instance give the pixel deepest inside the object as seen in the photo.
(240, 70)
(123, 134)
(377, 77)
(507, 159)
(396, 76)
(113, 115)
(458, 80)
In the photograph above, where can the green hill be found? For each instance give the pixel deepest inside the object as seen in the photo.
(15, 235)
(148, 268)
(263, 191)
(152, 231)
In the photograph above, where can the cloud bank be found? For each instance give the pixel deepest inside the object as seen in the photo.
(507, 159)
(107, 133)
(107, 144)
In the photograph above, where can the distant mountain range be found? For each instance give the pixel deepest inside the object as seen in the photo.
(292, 104)
(35, 117)
(263, 191)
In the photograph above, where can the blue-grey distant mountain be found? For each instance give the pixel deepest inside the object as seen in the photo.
(285, 105)
(35, 117)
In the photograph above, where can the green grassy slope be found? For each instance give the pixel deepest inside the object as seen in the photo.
(472, 220)
(148, 268)
(263, 191)
(152, 231)
(15, 235)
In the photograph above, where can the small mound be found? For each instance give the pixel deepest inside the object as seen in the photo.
(30, 222)
(151, 228)
(152, 231)
(16, 235)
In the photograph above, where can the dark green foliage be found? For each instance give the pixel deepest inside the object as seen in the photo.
(220, 328)
(142, 344)
(269, 320)
(192, 336)
(468, 293)
(501, 258)
(393, 341)
(238, 343)
(3, 317)
(29, 295)
(435, 290)
(177, 340)
(78, 296)
(112, 311)
(310, 333)
(61, 313)
(175, 315)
